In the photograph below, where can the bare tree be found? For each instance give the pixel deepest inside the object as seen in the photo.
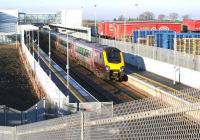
(186, 16)
(147, 16)
(161, 17)
(173, 16)
(121, 18)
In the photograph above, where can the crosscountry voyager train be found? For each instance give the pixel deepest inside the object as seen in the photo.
(104, 61)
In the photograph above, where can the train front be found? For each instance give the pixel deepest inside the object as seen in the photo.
(114, 62)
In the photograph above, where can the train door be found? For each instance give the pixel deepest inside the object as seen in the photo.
(72, 50)
(98, 61)
(91, 58)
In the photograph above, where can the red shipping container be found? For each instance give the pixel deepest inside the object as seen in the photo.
(192, 25)
(116, 29)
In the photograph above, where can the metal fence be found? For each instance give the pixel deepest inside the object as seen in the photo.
(146, 119)
(13, 117)
(160, 54)
(42, 110)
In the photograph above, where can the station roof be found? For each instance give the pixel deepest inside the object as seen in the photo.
(77, 29)
(29, 27)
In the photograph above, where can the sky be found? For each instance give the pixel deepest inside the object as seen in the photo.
(107, 9)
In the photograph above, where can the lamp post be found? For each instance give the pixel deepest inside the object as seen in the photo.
(49, 53)
(67, 64)
(95, 20)
(38, 47)
(33, 42)
(125, 29)
(29, 35)
(175, 69)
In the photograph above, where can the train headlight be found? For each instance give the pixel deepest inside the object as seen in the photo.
(107, 68)
(122, 68)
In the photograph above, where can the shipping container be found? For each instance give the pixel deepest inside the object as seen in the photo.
(145, 33)
(94, 31)
(165, 40)
(119, 30)
(188, 35)
(192, 25)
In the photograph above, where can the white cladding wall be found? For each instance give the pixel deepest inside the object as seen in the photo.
(8, 20)
(71, 18)
(186, 76)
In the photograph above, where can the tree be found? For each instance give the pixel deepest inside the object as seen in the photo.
(121, 18)
(114, 19)
(147, 16)
(186, 17)
(161, 17)
(173, 16)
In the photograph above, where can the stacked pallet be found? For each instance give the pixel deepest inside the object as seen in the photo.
(151, 40)
(142, 41)
(188, 45)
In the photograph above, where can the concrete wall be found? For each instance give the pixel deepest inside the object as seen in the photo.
(184, 75)
(8, 20)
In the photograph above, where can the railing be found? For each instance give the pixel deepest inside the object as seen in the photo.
(146, 119)
(13, 117)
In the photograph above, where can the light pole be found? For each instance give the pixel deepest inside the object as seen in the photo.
(38, 47)
(67, 65)
(49, 53)
(29, 44)
(33, 44)
(125, 29)
(175, 69)
(95, 20)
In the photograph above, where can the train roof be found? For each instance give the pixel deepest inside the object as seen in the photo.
(93, 45)
(84, 42)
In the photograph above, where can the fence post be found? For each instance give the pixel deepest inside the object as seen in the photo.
(36, 112)
(5, 115)
(82, 125)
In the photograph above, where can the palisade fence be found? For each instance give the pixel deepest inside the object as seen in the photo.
(42, 110)
(160, 54)
(146, 119)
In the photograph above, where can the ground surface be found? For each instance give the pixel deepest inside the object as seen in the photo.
(16, 90)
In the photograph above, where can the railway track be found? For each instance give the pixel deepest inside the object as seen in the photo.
(104, 91)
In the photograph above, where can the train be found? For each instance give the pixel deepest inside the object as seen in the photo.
(104, 61)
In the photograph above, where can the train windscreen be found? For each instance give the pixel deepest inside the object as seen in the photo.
(113, 55)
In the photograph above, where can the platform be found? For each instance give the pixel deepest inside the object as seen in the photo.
(131, 71)
(58, 76)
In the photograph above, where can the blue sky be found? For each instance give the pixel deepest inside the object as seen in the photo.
(107, 9)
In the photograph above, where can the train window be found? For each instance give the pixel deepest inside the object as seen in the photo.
(83, 51)
(113, 55)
